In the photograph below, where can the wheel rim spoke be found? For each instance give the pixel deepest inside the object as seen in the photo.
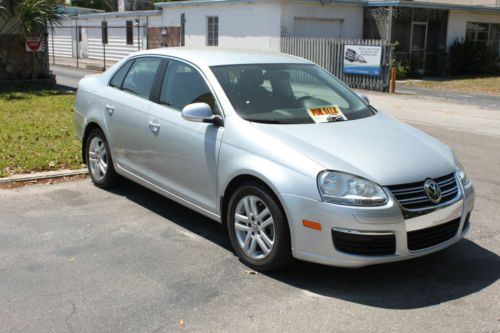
(241, 218)
(242, 227)
(248, 238)
(266, 240)
(102, 168)
(263, 246)
(253, 206)
(263, 214)
(253, 245)
(267, 222)
(102, 149)
(248, 210)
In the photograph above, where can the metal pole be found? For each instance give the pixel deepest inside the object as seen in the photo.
(53, 55)
(104, 44)
(138, 31)
(388, 38)
(77, 43)
(147, 33)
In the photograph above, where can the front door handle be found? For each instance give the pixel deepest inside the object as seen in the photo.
(110, 109)
(154, 127)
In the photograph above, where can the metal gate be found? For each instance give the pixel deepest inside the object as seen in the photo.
(329, 54)
(163, 37)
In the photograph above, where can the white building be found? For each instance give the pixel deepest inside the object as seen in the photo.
(259, 24)
(423, 29)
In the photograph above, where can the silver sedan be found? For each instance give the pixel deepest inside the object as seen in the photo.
(288, 158)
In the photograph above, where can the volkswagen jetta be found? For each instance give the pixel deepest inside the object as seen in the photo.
(287, 157)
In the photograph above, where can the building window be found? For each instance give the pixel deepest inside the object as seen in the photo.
(104, 32)
(212, 31)
(79, 33)
(183, 29)
(130, 33)
(484, 33)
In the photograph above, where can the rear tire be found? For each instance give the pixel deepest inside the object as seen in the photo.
(258, 229)
(99, 160)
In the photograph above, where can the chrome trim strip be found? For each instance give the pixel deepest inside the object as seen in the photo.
(436, 217)
(366, 233)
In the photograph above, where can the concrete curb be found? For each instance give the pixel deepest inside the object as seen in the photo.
(42, 175)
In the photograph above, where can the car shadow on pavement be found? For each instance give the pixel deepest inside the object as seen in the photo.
(460, 270)
(463, 269)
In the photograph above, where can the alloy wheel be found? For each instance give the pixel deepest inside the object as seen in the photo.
(98, 159)
(254, 227)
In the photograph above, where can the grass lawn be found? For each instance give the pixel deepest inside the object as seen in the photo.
(36, 132)
(485, 85)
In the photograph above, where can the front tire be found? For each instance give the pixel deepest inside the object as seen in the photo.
(99, 161)
(257, 228)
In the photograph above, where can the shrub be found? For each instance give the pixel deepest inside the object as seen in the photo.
(402, 70)
(467, 57)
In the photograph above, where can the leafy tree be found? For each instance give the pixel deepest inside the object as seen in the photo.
(107, 5)
(29, 16)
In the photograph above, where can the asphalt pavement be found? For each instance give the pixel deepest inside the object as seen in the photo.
(75, 258)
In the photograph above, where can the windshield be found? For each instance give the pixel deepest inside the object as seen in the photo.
(289, 94)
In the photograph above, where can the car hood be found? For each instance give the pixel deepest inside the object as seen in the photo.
(378, 148)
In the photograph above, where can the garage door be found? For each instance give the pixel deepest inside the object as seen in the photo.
(314, 27)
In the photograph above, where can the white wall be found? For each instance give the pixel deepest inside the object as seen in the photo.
(241, 25)
(457, 22)
(350, 18)
(61, 39)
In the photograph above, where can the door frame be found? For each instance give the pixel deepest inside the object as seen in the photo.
(424, 50)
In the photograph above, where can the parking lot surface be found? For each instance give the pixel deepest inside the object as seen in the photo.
(77, 258)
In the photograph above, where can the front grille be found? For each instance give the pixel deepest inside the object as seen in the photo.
(364, 244)
(423, 238)
(413, 197)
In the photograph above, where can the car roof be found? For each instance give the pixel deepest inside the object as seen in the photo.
(214, 56)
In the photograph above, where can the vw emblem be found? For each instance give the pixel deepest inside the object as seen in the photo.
(432, 191)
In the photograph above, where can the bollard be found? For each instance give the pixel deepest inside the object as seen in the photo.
(393, 80)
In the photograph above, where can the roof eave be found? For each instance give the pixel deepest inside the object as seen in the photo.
(431, 5)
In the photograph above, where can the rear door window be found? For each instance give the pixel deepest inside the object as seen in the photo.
(140, 77)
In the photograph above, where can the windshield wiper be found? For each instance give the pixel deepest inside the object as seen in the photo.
(264, 121)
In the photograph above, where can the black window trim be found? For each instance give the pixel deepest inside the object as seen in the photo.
(159, 73)
(131, 61)
(154, 95)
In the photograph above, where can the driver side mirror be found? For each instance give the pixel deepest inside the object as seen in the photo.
(201, 113)
(364, 98)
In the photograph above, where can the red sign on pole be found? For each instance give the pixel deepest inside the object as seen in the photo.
(33, 44)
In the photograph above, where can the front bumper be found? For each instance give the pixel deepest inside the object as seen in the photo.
(318, 245)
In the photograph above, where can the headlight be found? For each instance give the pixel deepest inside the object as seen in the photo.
(345, 189)
(464, 179)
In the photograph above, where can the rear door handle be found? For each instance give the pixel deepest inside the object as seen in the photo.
(110, 109)
(154, 126)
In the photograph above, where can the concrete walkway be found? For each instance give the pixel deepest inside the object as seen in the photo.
(488, 101)
(449, 114)
(85, 63)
